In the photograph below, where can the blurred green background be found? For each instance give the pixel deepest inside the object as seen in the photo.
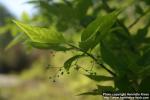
(26, 72)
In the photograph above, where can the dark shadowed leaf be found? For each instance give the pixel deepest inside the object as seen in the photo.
(138, 9)
(144, 71)
(145, 59)
(145, 85)
(117, 62)
(123, 84)
(107, 55)
(141, 35)
(69, 62)
(99, 77)
(105, 88)
(147, 2)
(82, 7)
(99, 91)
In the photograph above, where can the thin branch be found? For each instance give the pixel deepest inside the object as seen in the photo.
(96, 60)
(139, 18)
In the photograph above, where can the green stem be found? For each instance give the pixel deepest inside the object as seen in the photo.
(139, 18)
(96, 60)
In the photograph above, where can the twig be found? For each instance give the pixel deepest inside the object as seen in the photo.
(139, 18)
(96, 60)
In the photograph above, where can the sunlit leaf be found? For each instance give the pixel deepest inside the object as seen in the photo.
(42, 35)
(55, 47)
(97, 29)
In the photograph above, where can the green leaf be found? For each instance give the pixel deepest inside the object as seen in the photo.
(99, 91)
(99, 78)
(89, 43)
(92, 28)
(42, 35)
(94, 92)
(55, 47)
(145, 85)
(144, 71)
(123, 84)
(145, 59)
(108, 56)
(82, 7)
(141, 35)
(97, 29)
(16, 40)
(68, 63)
(147, 2)
(118, 62)
(138, 9)
(127, 60)
(105, 88)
